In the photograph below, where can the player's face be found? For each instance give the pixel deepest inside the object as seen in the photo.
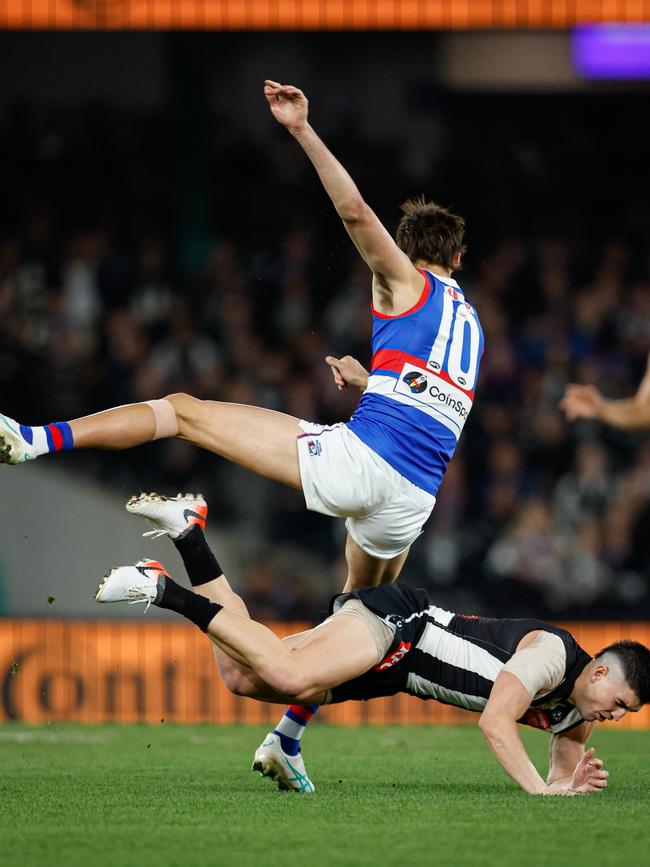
(606, 697)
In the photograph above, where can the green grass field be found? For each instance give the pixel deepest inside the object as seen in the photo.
(184, 795)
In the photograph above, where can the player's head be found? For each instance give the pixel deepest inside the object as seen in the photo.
(616, 681)
(431, 234)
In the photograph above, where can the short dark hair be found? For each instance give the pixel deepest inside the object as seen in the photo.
(429, 232)
(635, 661)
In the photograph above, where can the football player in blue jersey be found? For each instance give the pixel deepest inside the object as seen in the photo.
(380, 470)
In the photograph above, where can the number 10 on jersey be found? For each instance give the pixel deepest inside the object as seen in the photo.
(458, 342)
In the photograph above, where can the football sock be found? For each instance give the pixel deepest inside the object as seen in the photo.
(55, 437)
(200, 563)
(199, 609)
(292, 726)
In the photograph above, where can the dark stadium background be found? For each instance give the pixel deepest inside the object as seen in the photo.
(159, 232)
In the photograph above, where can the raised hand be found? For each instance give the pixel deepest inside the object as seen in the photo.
(589, 775)
(347, 371)
(581, 401)
(288, 104)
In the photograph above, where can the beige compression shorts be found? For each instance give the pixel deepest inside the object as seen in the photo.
(382, 633)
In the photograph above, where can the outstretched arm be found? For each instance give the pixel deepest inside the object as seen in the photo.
(508, 701)
(397, 283)
(585, 401)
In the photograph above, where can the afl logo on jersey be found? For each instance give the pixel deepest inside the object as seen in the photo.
(416, 382)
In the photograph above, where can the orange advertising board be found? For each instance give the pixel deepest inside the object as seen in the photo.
(99, 671)
(315, 14)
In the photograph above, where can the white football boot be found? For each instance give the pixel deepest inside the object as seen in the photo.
(288, 771)
(144, 582)
(169, 516)
(14, 448)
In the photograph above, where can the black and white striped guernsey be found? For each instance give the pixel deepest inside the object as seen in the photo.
(455, 658)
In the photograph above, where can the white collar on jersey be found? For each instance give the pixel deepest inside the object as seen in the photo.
(448, 281)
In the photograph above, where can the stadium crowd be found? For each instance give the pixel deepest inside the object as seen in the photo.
(98, 308)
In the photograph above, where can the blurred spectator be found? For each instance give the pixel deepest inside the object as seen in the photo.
(585, 491)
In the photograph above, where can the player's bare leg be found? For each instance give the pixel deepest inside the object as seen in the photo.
(121, 427)
(337, 651)
(261, 440)
(258, 439)
(238, 676)
(235, 672)
(367, 571)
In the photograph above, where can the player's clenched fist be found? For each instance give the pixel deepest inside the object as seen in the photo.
(288, 104)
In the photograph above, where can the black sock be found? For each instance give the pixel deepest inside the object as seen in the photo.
(200, 562)
(198, 609)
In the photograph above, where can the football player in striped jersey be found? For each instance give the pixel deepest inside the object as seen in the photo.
(388, 639)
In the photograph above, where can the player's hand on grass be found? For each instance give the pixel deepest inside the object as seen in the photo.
(347, 371)
(581, 401)
(288, 104)
(589, 775)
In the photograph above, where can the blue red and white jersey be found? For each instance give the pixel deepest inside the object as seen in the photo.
(420, 391)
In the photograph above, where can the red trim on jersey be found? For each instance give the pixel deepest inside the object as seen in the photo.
(420, 303)
(394, 360)
(57, 437)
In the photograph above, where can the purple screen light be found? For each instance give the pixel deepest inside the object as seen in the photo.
(612, 51)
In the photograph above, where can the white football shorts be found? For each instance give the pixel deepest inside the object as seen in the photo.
(343, 477)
